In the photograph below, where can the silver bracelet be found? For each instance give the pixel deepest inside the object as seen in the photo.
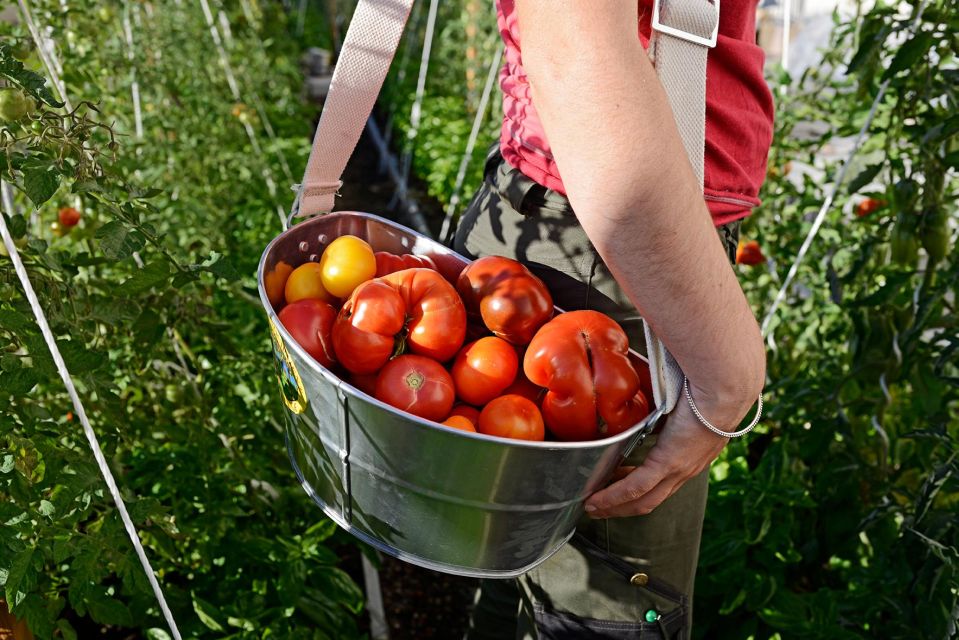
(709, 425)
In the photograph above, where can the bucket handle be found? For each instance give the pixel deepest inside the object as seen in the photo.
(683, 31)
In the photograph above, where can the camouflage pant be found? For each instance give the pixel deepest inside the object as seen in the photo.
(584, 591)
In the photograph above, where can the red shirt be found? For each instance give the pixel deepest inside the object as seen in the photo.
(739, 111)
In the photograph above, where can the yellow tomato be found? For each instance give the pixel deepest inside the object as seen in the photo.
(346, 264)
(305, 282)
(275, 282)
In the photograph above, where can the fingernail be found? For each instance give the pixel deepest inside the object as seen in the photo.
(590, 508)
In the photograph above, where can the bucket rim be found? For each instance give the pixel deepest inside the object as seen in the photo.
(349, 389)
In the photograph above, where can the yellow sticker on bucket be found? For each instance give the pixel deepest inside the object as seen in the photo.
(291, 386)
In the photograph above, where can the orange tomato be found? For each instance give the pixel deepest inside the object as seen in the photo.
(460, 422)
(465, 411)
(275, 282)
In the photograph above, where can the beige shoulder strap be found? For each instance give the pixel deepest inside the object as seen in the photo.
(683, 33)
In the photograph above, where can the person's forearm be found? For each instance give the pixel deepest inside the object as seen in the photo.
(622, 162)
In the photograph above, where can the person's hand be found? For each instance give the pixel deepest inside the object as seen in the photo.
(683, 449)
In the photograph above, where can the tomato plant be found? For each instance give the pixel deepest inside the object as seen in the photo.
(417, 385)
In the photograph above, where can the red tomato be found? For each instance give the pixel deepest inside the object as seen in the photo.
(417, 385)
(483, 369)
(387, 262)
(461, 423)
(310, 322)
(512, 302)
(415, 309)
(523, 387)
(749, 253)
(581, 357)
(68, 216)
(465, 411)
(512, 417)
(869, 205)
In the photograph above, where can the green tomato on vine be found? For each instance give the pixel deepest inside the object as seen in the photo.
(14, 105)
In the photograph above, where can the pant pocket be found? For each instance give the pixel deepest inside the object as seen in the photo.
(557, 625)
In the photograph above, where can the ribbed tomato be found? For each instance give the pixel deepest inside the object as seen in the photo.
(592, 389)
(414, 309)
(417, 385)
(512, 302)
(387, 262)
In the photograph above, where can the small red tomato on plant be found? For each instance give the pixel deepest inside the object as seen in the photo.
(512, 302)
(749, 253)
(483, 369)
(582, 359)
(512, 417)
(310, 322)
(867, 206)
(417, 385)
(68, 217)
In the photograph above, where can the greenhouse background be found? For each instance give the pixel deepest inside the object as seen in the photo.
(171, 133)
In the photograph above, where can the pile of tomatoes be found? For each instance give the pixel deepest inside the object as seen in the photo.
(482, 353)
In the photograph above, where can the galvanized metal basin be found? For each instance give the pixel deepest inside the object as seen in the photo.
(441, 498)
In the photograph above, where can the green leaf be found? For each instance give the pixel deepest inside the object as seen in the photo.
(86, 186)
(66, 630)
(223, 268)
(206, 613)
(106, 609)
(865, 177)
(909, 53)
(78, 357)
(117, 241)
(157, 634)
(40, 183)
(34, 84)
(17, 581)
(46, 508)
(151, 275)
(17, 225)
(15, 321)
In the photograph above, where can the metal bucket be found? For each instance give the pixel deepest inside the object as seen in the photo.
(444, 499)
